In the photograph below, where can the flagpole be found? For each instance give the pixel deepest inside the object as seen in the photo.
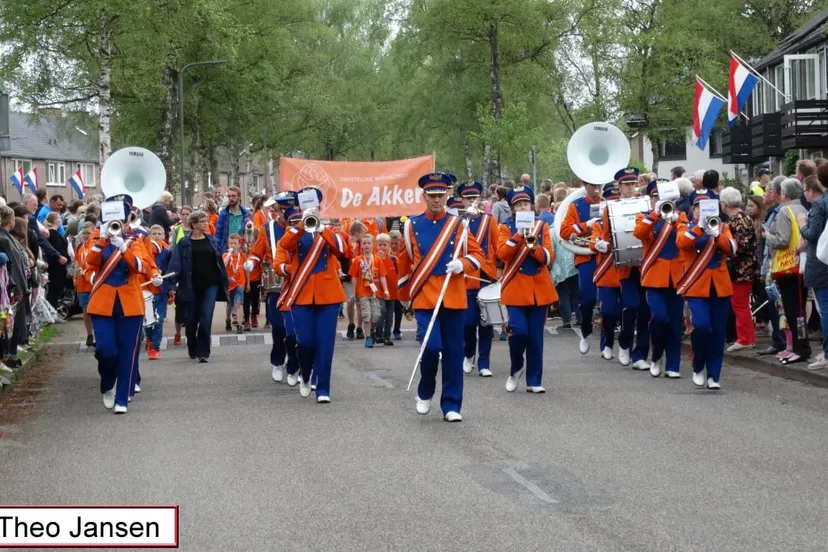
(716, 92)
(757, 74)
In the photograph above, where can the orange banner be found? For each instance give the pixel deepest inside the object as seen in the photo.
(356, 189)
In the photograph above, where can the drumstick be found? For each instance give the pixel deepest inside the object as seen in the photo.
(479, 279)
(164, 277)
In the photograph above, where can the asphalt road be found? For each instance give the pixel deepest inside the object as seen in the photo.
(608, 459)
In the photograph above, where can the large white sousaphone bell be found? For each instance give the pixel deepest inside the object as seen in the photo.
(134, 171)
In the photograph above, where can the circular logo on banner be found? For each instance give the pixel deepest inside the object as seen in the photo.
(314, 175)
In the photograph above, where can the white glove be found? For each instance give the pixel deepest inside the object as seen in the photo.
(454, 267)
(592, 221)
(602, 246)
(712, 232)
(157, 280)
(673, 217)
(104, 231)
(248, 266)
(118, 242)
(658, 206)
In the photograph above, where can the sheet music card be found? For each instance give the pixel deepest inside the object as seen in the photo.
(708, 208)
(112, 210)
(308, 200)
(524, 220)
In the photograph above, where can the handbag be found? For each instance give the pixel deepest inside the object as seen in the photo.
(786, 261)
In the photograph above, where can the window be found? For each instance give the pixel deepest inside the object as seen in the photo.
(779, 82)
(768, 93)
(672, 150)
(89, 174)
(715, 143)
(25, 163)
(56, 174)
(256, 182)
(822, 72)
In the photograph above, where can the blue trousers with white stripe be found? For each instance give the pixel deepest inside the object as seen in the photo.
(526, 327)
(277, 330)
(476, 337)
(610, 311)
(316, 335)
(709, 317)
(635, 317)
(446, 337)
(587, 295)
(117, 340)
(667, 308)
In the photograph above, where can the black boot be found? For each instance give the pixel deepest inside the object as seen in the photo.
(350, 333)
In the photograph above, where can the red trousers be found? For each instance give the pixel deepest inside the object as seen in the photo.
(740, 300)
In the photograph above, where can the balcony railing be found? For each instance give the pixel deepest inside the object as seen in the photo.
(805, 124)
(736, 145)
(766, 135)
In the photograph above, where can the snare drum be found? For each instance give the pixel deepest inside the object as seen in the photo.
(492, 313)
(149, 309)
(627, 250)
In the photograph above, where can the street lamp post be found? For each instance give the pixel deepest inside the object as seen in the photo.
(181, 110)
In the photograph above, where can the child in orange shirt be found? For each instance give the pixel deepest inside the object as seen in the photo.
(396, 246)
(368, 281)
(356, 231)
(160, 250)
(82, 285)
(238, 280)
(387, 304)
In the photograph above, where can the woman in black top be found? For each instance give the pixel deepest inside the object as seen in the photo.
(57, 271)
(202, 280)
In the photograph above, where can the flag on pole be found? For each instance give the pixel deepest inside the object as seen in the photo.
(31, 180)
(741, 85)
(77, 183)
(17, 180)
(705, 111)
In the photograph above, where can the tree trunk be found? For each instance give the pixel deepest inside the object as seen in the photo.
(168, 119)
(235, 158)
(468, 157)
(496, 95)
(196, 163)
(487, 173)
(271, 175)
(105, 92)
(654, 148)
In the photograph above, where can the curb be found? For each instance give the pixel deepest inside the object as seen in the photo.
(36, 353)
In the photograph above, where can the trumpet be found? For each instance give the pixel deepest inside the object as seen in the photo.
(667, 209)
(310, 221)
(472, 211)
(530, 239)
(134, 218)
(580, 241)
(712, 223)
(115, 228)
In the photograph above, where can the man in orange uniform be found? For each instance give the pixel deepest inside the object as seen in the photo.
(116, 306)
(527, 289)
(707, 288)
(477, 338)
(314, 297)
(605, 277)
(434, 245)
(578, 221)
(661, 270)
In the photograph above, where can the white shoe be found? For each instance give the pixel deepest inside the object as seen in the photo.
(278, 373)
(5, 369)
(453, 417)
(672, 375)
(485, 373)
(313, 387)
(468, 365)
(607, 353)
(584, 346)
(323, 399)
(512, 381)
(641, 365)
(624, 357)
(713, 384)
(109, 399)
(137, 388)
(129, 399)
(292, 380)
(423, 406)
(535, 389)
(304, 389)
(698, 379)
(738, 347)
(655, 368)
(120, 409)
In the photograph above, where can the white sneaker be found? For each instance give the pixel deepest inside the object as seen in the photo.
(468, 365)
(672, 375)
(738, 347)
(698, 379)
(313, 387)
(624, 357)
(120, 409)
(607, 353)
(323, 399)
(109, 399)
(304, 389)
(641, 365)
(655, 368)
(453, 417)
(423, 406)
(512, 381)
(713, 384)
(485, 373)
(137, 388)
(584, 346)
(535, 389)
(278, 373)
(292, 380)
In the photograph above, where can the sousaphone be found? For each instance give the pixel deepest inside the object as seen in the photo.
(134, 171)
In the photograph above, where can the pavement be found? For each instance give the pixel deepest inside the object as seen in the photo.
(608, 459)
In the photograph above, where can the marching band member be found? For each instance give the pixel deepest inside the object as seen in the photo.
(605, 277)
(432, 240)
(264, 250)
(661, 270)
(314, 297)
(527, 290)
(477, 338)
(117, 308)
(577, 223)
(707, 289)
(282, 262)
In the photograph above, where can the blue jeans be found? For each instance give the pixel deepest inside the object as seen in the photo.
(200, 322)
(822, 302)
(155, 332)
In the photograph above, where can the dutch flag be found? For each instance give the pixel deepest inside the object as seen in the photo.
(31, 180)
(77, 183)
(741, 85)
(705, 111)
(17, 180)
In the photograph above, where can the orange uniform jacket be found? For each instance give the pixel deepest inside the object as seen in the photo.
(668, 268)
(322, 286)
(575, 225)
(415, 231)
(260, 251)
(692, 239)
(391, 277)
(259, 219)
(82, 284)
(487, 238)
(121, 283)
(531, 285)
(610, 277)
